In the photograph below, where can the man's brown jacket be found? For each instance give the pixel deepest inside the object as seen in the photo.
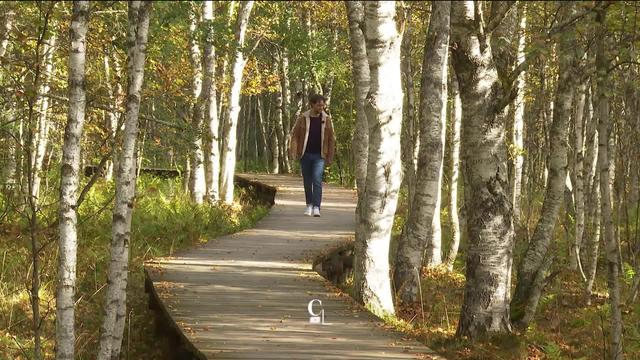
(300, 135)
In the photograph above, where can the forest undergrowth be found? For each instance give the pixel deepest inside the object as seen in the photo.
(164, 222)
(568, 325)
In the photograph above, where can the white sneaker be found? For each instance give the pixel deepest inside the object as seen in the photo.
(316, 211)
(308, 211)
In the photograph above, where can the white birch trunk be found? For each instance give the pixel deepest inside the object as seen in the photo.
(8, 18)
(115, 304)
(455, 165)
(260, 123)
(613, 281)
(42, 135)
(115, 93)
(209, 95)
(518, 124)
(277, 125)
(8, 175)
(409, 127)
(229, 151)
(9, 171)
(198, 183)
(488, 207)
(422, 238)
(224, 69)
(591, 236)
(69, 179)
(536, 261)
(286, 106)
(273, 141)
(578, 135)
(594, 234)
(360, 71)
(384, 115)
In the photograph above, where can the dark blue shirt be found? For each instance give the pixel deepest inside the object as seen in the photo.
(314, 142)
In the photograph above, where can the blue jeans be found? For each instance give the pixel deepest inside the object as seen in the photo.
(312, 169)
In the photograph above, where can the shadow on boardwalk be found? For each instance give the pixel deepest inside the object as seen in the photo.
(245, 295)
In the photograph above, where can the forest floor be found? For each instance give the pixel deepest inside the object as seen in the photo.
(565, 327)
(164, 222)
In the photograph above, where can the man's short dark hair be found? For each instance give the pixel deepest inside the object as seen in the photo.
(316, 98)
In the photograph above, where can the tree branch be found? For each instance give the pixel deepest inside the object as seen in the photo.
(93, 179)
(561, 26)
(617, 65)
(109, 108)
(499, 10)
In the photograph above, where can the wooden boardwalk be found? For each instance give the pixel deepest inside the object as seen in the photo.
(245, 296)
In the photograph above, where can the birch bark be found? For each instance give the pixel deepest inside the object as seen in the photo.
(69, 179)
(8, 175)
(518, 124)
(273, 138)
(115, 95)
(360, 71)
(409, 127)
(537, 260)
(198, 182)
(613, 281)
(384, 115)
(456, 120)
(262, 138)
(286, 105)
(422, 237)
(41, 140)
(229, 151)
(578, 136)
(279, 131)
(592, 229)
(208, 104)
(490, 219)
(115, 304)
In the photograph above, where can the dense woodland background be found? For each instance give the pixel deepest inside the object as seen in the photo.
(507, 130)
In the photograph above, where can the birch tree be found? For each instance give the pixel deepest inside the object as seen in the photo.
(41, 138)
(286, 106)
(592, 233)
(229, 150)
(279, 132)
(115, 96)
(490, 232)
(262, 144)
(456, 120)
(209, 106)
(518, 122)
(274, 143)
(379, 199)
(115, 304)
(360, 71)
(69, 178)
(537, 260)
(422, 232)
(224, 69)
(409, 127)
(613, 281)
(578, 141)
(198, 184)
(9, 115)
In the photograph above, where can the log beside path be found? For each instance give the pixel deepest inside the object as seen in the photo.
(245, 295)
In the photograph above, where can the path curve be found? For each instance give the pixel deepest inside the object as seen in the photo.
(245, 295)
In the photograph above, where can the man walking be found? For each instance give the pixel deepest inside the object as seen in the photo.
(313, 143)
